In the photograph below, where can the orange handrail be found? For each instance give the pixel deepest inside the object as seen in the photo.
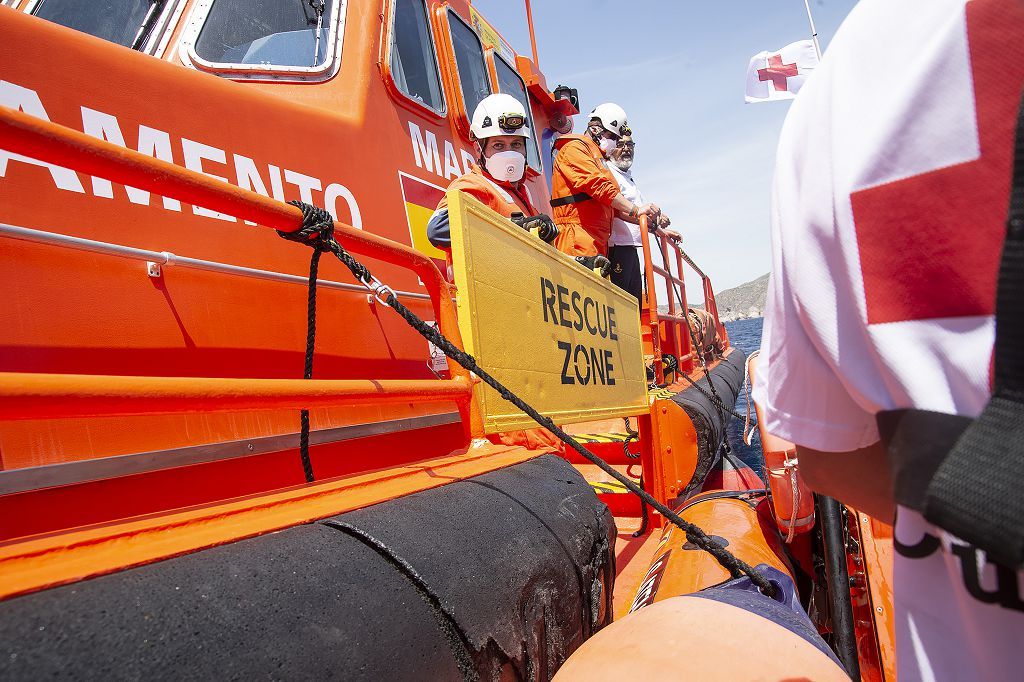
(54, 143)
(48, 396)
(677, 337)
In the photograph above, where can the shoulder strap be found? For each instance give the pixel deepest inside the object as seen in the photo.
(977, 492)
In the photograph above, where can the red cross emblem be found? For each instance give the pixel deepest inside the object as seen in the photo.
(930, 244)
(777, 72)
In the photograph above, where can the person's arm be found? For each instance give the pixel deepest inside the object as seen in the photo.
(589, 176)
(631, 212)
(663, 223)
(438, 231)
(860, 478)
(625, 207)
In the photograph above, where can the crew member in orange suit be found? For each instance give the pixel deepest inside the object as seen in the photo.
(500, 128)
(584, 194)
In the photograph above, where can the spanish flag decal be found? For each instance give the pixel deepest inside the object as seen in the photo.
(421, 198)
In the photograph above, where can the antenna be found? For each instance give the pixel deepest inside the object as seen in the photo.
(533, 38)
(807, 4)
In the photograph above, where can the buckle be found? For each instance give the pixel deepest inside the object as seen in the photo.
(378, 289)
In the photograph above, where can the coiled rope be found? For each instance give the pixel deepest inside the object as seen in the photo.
(317, 232)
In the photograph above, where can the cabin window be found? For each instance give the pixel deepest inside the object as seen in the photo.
(510, 83)
(125, 22)
(291, 33)
(469, 60)
(413, 59)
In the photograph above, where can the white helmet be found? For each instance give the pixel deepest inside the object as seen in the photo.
(612, 118)
(500, 114)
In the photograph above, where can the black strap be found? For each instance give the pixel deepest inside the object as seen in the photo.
(571, 199)
(967, 476)
(917, 441)
(978, 490)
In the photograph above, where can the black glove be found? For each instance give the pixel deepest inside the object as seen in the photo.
(546, 228)
(596, 263)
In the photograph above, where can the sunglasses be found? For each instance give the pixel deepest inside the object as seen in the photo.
(511, 121)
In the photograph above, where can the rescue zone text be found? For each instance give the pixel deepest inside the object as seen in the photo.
(581, 364)
(553, 332)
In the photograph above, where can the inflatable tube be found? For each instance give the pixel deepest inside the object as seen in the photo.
(732, 474)
(728, 633)
(679, 567)
(502, 576)
(710, 420)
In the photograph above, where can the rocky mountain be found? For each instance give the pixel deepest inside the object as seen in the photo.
(742, 302)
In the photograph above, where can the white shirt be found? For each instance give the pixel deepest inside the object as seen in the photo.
(890, 198)
(623, 233)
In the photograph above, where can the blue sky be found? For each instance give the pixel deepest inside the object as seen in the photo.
(678, 69)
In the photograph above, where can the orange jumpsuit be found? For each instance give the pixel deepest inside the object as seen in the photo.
(582, 191)
(501, 197)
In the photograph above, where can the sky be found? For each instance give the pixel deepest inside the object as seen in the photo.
(678, 69)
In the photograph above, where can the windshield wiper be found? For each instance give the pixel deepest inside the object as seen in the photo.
(152, 14)
(319, 6)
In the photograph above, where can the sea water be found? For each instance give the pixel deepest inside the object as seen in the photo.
(745, 335)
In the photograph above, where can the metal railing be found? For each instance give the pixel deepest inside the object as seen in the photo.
(669, 332)
(58, 396)
(166, 258)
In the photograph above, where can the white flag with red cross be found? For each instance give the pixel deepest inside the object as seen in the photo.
(779, 75)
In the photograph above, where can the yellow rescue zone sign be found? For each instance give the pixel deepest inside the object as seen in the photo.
(562, 338)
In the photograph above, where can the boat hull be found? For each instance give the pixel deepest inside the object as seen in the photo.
(504, 574)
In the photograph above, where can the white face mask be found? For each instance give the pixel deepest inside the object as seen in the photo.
(608, 145)
(506, 166)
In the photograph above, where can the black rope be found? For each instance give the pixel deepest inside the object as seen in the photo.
(715, 399)
(458, 640)
(317, 231)
(314, 267)
(631, 435)
(644, 517)
(689, 261)
(325, 240)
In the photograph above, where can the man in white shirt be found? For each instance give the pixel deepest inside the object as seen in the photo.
(888, 218)
(624, 241)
